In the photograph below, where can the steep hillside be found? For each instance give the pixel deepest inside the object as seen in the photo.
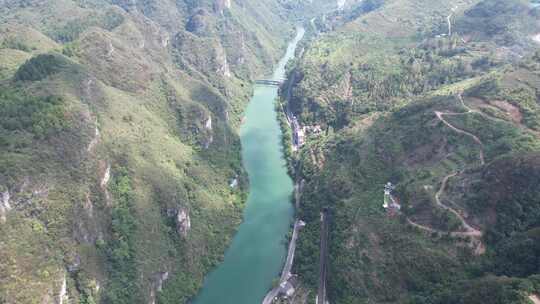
(118, 143)
(426, 253)
(401, 49)
(451, 121)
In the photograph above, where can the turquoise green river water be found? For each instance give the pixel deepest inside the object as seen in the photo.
(257, 252)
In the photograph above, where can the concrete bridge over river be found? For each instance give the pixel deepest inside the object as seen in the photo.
(270, 82)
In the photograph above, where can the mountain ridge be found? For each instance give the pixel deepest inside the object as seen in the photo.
(119, 143)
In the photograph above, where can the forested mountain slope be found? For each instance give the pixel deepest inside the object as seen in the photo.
(401, 49)
(118, 145)
(452, 121)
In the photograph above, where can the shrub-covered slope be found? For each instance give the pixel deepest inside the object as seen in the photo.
(118, 143)
(451, 120)
(423, 254)
(399, 50)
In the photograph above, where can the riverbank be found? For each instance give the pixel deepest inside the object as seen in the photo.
(290, 133)
(256, 254)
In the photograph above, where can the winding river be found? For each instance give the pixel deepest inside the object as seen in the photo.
(257, 251)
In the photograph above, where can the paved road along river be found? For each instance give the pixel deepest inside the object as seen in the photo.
(257, 251)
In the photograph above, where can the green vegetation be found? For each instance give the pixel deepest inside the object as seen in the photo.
(12, 43)
(497, 289)
(383, 254)
(286, 138)
(355, 70)
(514, 235)
(375, 81)
(72, 29)
(91, 90)
(40, 67)
(151, 93)
(40, 116)
(120, 250)
(500, 20)
(335, 93)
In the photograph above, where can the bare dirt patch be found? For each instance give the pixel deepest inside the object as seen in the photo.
(534, 298)
(511, 110)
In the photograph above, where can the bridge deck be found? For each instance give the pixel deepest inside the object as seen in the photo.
(269, 82)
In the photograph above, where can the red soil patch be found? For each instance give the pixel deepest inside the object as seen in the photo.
(510, 109)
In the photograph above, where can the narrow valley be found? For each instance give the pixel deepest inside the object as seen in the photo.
(269, 151)
(257, 252)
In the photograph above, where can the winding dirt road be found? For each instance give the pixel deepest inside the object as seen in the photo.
(470, 231)
(474, 137)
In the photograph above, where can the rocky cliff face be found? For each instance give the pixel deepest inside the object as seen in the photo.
(222, 5)
(183, 222)
(5, 205)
